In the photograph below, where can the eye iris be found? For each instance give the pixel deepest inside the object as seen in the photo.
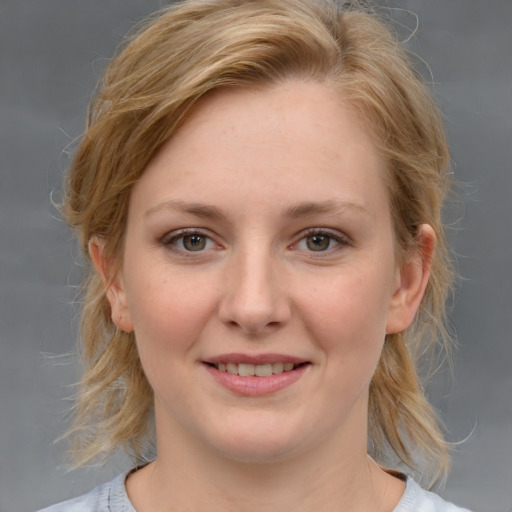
(194, 242)
(318, 242)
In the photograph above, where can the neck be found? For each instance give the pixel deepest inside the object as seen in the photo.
(187, 477)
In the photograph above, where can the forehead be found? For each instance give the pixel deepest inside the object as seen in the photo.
(293, 142)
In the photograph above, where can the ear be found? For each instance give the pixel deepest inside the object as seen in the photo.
(411, 282)
(113, 281)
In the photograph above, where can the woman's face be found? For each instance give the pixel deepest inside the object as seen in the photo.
(259, 241)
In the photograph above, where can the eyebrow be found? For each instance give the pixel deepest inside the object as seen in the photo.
(198, 209)
(331, 207)
(309, 208)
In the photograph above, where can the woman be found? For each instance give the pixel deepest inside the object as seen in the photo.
(259, 192)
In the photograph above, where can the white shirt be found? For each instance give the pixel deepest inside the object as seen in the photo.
(112, 497)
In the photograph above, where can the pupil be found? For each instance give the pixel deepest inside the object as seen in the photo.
(318, 242)
(194, 242)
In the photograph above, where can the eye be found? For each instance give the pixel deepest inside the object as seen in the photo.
(321, 240)
(188, 241)
(194, 242)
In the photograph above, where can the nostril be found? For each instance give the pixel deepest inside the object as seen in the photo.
(252, 307)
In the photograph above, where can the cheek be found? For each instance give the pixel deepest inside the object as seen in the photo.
(168, 314)
(347, 316)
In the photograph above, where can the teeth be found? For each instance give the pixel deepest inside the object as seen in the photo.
(278, 368)
(249, 370)
(263, 370)
(246, 370)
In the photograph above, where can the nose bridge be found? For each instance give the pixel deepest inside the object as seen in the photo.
(254, 296)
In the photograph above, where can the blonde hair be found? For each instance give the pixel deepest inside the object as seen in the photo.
(148, 90)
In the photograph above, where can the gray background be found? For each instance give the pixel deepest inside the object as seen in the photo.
(52, 53)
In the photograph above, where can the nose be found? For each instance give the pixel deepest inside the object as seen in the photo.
(254, 295)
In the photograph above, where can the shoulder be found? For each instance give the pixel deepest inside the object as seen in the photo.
(109, 497)
(416, 499)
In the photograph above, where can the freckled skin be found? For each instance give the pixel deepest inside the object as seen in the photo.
(244, 160)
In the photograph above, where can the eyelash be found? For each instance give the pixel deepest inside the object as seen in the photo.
(170, 240)
(340, 239)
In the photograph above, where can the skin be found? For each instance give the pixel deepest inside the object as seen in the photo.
(255, 176)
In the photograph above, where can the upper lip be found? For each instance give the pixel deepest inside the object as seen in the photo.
(255, 359)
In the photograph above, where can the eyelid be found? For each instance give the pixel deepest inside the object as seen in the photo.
(169, 238)
(341, 239)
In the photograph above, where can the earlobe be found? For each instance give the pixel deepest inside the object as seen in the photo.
(114, 285)
(412, 280)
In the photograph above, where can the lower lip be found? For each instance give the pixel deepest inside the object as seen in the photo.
(256, 386)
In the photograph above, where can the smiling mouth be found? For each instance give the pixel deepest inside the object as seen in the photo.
(255, 370)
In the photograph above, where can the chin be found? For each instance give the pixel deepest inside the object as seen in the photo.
(256, 452)
(258, 445)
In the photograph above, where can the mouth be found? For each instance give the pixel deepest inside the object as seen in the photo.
(252, 375)
(256, 370)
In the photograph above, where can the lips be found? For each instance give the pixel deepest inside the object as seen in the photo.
(252, 375)
(261, 365)
(258, 370)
